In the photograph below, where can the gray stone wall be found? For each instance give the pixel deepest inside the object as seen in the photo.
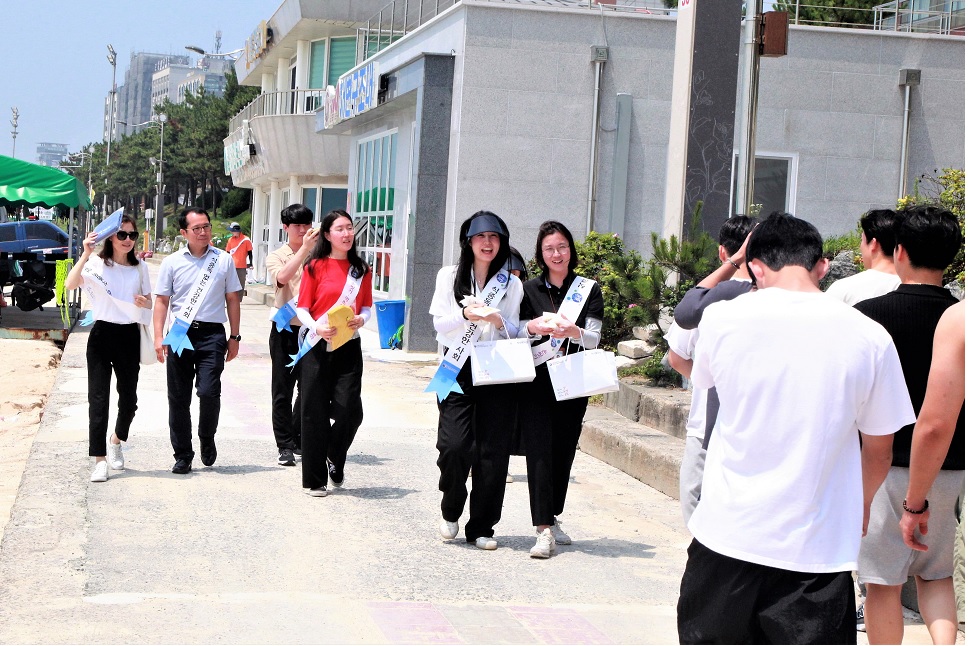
(526, 111)
(836, 104)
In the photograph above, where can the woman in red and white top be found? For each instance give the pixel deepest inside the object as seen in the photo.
(331, 380)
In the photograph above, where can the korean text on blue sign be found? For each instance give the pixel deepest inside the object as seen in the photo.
(358, 91)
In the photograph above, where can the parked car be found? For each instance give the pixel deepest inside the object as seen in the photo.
(38, 236)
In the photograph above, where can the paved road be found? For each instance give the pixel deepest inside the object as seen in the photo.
(236, 553)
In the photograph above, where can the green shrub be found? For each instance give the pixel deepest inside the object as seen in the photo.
(236, 201)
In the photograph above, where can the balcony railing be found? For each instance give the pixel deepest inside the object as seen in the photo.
(288, 102)
(901, 15)
(945, 17)
(400, 17)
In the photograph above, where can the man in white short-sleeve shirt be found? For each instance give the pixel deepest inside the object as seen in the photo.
(784, 503)
(184, 276)
(877, 253)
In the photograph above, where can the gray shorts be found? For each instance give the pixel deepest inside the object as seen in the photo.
(884, 558)
(690, 476)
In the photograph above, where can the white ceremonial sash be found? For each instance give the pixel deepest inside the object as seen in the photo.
(570, 309)
(177, 337)
(309, 338)
(444, 381)
(97, 284)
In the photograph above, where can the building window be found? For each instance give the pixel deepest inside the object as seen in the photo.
(342, 57)
(373, 216)
(317, 63)
(774, 182)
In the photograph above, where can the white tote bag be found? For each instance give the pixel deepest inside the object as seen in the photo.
(582, 374)
(147, 346)
(504, 361)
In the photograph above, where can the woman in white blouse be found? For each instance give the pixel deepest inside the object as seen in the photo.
(475, 425)
(120, 298)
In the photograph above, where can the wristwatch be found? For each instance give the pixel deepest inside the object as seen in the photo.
(237, 337)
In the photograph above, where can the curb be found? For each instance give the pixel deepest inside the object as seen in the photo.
(640, 430)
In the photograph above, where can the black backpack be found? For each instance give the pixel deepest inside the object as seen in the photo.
(30, 296)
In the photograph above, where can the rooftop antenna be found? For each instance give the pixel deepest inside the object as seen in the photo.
(218, 41)
(13, 122)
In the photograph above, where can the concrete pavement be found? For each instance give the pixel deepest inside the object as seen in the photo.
(236, 553)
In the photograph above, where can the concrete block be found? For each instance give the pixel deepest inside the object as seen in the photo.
(636, 349)
(548, 114)
(807, 90)
(625, 362)
(644, 332)
(664, 409)
(860, 179)
(646, 454)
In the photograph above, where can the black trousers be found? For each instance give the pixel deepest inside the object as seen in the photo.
(111, 346)
(723, 600)
(330, 384)
(550, 429)
(286, 416)
(201, 368)
(474, 429)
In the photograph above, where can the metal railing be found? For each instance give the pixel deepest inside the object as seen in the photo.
(287, 102)
(901, 15)
(945, 17)
(400, 17)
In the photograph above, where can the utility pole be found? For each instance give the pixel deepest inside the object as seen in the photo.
(749, 93)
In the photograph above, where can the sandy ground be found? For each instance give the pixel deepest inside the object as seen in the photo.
(27, 373)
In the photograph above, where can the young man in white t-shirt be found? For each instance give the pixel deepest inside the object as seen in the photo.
(682, 343)
(877, 254)
(785, 496)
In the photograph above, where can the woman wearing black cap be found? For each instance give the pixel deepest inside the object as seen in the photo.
(557, 305)
(477, 299)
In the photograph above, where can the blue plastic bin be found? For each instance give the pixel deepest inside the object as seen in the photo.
(389, 318)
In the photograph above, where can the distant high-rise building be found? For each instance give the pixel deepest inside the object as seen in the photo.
(50, 154)
(134, 96)
(173, 81)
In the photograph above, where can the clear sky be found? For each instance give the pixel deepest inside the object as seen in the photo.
(53, 57)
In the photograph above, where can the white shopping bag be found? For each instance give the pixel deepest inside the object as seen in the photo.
(505, 361)
(582, 374)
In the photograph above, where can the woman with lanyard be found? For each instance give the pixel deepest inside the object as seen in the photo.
(557, 305)
(120, 295)
(331, 378)
(477, 299)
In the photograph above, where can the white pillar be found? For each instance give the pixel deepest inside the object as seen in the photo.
(302, 63)
(258, 226)
(679, 125)
(282, 84)
(268, 83)
(295, 191)
(275, 217)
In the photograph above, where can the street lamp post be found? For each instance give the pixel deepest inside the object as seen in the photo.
(160, 211)
(13, 122)
(157, 120)
(113, 59)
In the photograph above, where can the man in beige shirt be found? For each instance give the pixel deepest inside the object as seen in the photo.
(285, 267)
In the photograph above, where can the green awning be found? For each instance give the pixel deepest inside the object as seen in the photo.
(26, 184)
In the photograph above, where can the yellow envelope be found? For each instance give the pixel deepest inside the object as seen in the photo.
(339, 318)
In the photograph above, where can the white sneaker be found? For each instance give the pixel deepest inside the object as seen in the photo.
(448, 530)
(544, 547)
(486, 543)
(561, 538)
(115, 457)
(318, 492)
(100, 473)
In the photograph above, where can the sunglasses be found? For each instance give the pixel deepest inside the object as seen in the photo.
(127, 235)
